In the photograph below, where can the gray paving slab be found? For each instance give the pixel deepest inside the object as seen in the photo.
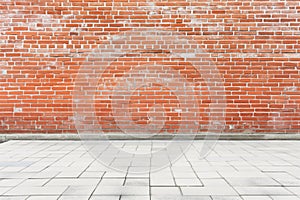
(64, 197)
(38, 197)
(252, 181)
(13, 197)
(294, 190)
(227, 197)
(135, 197)
(122, 190)
(213, 190)
(168, 191)
(188, 182)
(243, 170)
(34, 182)
(285, 197)
(10, 182)
(4, 190)
(257, 198)
(254, 190)
(92, 174)
(137, 182)
(79, 190)
(165, 197)
(36, 190)
(94, 197)
(112, 182)
(73, 182)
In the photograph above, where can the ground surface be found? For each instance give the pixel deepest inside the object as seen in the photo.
(233, 170)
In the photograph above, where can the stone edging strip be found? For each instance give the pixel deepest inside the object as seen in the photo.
(118, 136)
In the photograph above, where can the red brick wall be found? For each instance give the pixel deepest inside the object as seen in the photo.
(254, 45)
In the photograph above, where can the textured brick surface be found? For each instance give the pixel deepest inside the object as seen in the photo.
(253, 43)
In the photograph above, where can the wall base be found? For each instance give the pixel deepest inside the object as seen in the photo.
(118, 136)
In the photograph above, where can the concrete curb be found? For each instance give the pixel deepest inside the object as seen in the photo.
(118, 136)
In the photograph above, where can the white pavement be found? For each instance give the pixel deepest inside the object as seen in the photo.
(249, 170)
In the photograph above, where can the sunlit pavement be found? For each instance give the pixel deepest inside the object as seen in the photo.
(233, 170)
